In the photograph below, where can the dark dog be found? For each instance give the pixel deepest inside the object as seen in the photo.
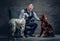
(46, 28)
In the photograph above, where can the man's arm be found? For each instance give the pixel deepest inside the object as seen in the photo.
(21, 13)
(36, 17)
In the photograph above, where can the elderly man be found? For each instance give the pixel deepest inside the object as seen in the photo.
(29, 20)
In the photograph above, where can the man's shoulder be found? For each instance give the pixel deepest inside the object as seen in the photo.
(22, 10)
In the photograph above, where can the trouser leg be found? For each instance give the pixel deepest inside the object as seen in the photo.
(32, 26)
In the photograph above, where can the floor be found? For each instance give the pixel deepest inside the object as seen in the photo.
(56, 38)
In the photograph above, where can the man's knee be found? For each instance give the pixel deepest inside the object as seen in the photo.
(35, 25)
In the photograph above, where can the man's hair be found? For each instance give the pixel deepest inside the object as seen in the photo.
(31, 5)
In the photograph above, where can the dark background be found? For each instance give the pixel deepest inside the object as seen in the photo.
(11, 8)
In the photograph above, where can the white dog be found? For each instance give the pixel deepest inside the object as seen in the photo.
(21, 24)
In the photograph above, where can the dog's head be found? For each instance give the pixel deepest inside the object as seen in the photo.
(42, 16)
(25, 15)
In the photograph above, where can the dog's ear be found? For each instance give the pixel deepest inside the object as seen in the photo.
(26, 14)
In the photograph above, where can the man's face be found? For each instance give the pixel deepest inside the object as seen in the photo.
(30, 7)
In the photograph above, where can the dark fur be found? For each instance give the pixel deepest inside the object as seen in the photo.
(46, 27)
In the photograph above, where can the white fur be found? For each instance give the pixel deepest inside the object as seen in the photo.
(21, 23)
